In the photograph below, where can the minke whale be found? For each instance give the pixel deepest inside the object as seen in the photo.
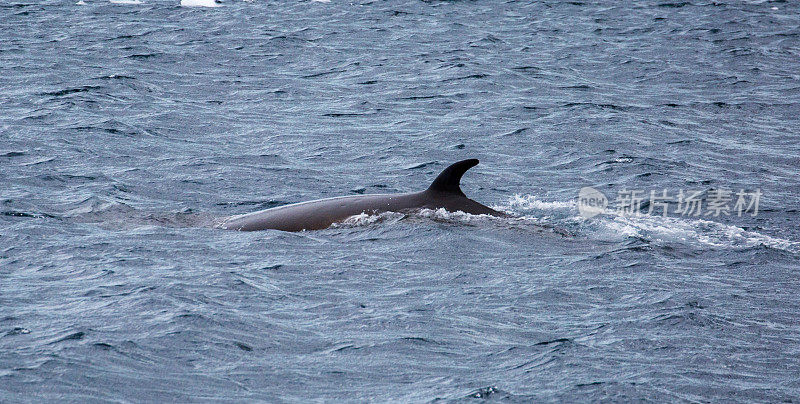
(445, 192)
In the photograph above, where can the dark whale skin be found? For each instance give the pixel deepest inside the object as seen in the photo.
(320, 214)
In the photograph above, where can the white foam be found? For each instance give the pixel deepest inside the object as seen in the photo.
(365, 219)
(693, 231)
(458, 216)
(657, 229)
(442, 215)
(531, 202)
(199, 3)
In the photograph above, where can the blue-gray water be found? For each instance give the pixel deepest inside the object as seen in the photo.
(126, 130)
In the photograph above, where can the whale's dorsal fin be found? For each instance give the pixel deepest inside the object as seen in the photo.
(449, 179)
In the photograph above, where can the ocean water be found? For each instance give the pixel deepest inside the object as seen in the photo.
(128, 128)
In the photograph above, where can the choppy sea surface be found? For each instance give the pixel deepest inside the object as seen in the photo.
(127, 128)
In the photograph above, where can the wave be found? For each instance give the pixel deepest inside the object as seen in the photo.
(199, 3)
(529, 213)
(114, 215)
(657, 230)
